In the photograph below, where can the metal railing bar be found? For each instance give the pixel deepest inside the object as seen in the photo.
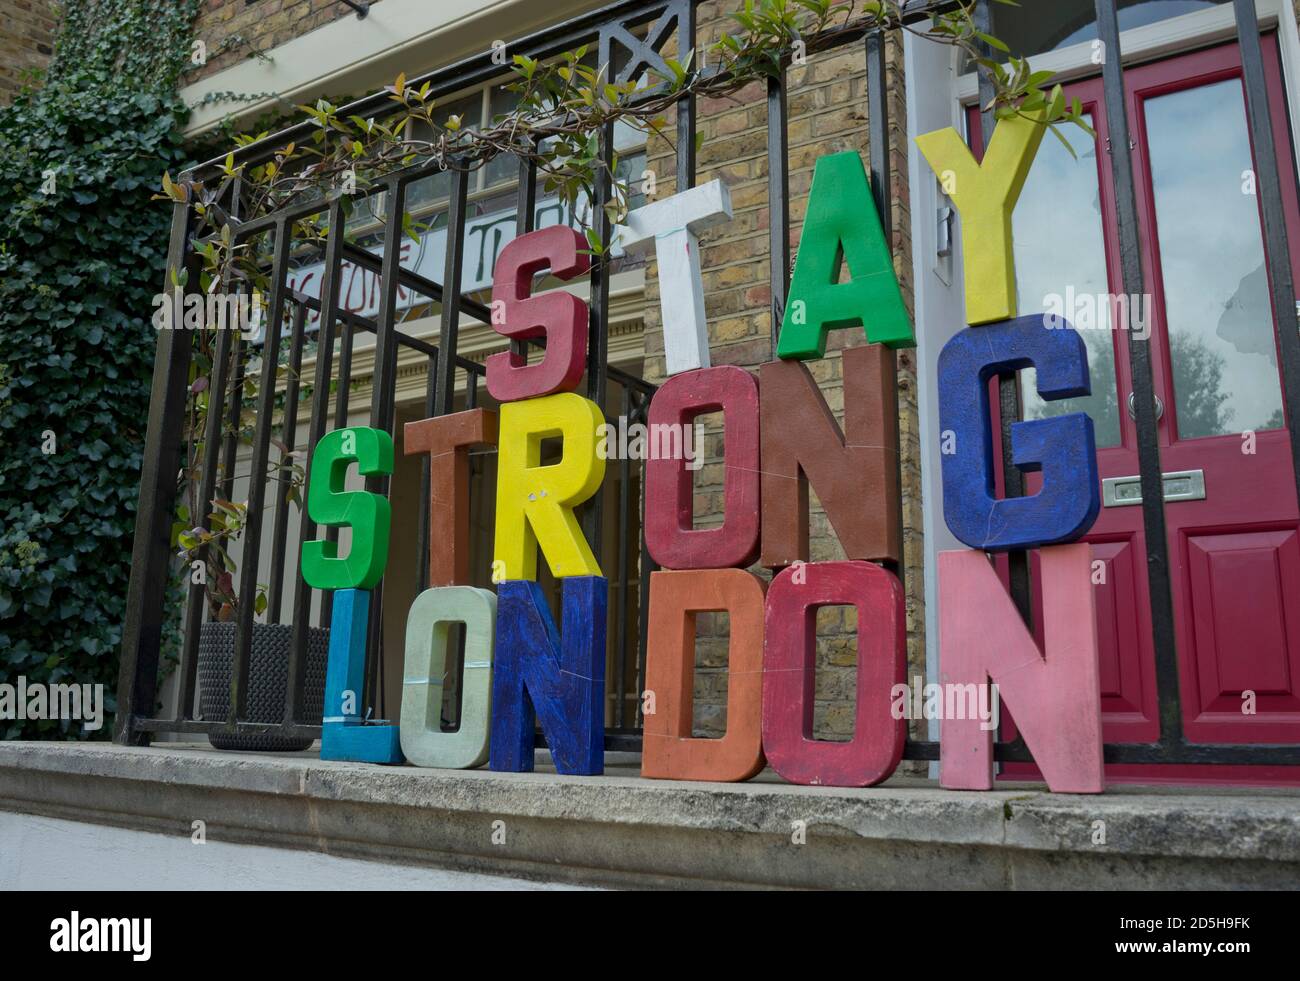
(449, 323)
(621, 544)
(316, 429)
(426, 473)
(597, 322)
(284, 478)
(342, 400)
(240, 728)
(1162, 753)
(1009, 412)
(686, 107)
(252, 539)
(1139, 351)
(525, 220)
(1276, 247)
(778, 201)
(197, 594)
(382, 411)
(151, 546)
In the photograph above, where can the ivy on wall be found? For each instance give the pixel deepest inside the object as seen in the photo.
(82, 252)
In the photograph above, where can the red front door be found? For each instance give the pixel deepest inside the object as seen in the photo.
(1234, 529)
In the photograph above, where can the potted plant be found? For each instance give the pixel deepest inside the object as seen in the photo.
(204, 548)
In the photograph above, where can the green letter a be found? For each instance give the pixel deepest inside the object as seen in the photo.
(842, 224)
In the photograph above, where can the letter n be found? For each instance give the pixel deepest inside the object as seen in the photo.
(854, 471)
(1056, 700)
(536, 677)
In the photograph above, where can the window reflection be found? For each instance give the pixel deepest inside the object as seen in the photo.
(1220, 320)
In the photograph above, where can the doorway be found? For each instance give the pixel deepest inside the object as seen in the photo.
(1231, 512)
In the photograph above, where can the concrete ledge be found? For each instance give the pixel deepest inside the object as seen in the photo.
(621, 830)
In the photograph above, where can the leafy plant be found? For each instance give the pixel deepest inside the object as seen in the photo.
(80, 257)
(563, 106)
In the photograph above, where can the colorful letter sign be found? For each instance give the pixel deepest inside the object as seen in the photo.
(669, 487)
(985, 194)
(558, 316)
(781, 437)
(854, 471)
(428, 627)
(447, 440)
(1056, 699)
(789, 673)
(344, 732)
(842, 225)
(1063, 447)
(668, 749)
(534, 502)
(673, 226)
(366, 514)
(559, 681)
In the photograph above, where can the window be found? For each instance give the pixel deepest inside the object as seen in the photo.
(1046, 25)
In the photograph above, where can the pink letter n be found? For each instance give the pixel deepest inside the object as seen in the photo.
(1056, 700)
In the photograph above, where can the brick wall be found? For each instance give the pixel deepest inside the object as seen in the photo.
(26, 41)
(234, 29)
(827, 102)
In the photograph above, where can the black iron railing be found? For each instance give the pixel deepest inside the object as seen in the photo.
(628, 35)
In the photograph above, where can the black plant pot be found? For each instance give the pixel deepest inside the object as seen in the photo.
(268, 678)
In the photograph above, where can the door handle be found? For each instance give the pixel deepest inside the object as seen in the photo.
(1133, 410)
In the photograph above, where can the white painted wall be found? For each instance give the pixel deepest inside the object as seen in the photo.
(361, 55)
(939, 306)
(38, 853)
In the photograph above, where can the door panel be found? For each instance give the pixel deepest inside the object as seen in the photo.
(1244, 586)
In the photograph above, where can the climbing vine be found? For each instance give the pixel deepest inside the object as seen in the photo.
(82, 250)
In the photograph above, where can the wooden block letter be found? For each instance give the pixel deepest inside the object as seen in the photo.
(558, 316)
(669, 484)
(1056, 699)
(427, 630)
(344, 733)
(673, 225)
(535, 503)
(842, 226)
(854, 472)
(1062, 447)
(447, 440)
(789, 663)
(985, 195)
(367, 514)
(675, 598)
(540, 677)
